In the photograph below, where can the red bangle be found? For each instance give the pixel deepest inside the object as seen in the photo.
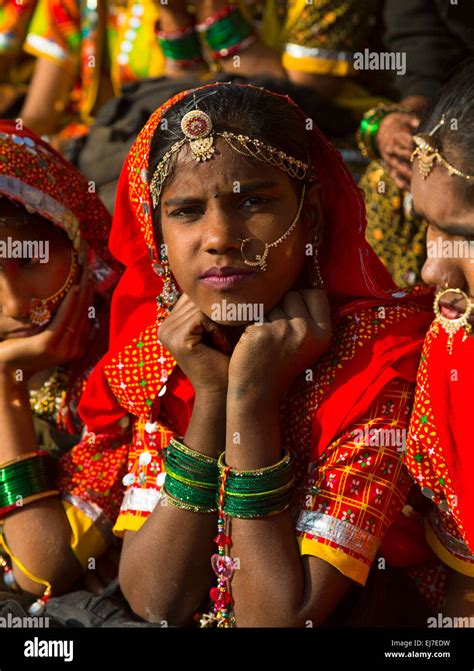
(220, 14)
(176, 34)
(234, 49)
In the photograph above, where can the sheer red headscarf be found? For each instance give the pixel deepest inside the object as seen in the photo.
(132, 376)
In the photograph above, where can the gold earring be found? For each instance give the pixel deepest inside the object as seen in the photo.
(169, 293)
(40, 313)
(452, 326)
(318, 282)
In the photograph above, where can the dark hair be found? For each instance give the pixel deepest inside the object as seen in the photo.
(250, 111)
(455, 138)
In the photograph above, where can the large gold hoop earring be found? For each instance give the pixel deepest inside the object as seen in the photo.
(452, 326)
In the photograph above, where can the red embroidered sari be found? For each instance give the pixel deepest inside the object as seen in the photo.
(349, 486)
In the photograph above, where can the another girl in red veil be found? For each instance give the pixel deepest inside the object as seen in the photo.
(270, 388)
(56, 277)
(439, 454)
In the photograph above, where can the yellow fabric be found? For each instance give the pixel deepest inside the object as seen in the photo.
(357, 99)
(86, 539)
(128, 522)
(464, 567)
(317, 66)
(349, 566)
(271, 30)
(22, 568)
(295, 8)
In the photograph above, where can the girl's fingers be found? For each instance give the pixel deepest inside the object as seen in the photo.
(317, 303)
(275, 314)
(294, 306)
(64, 312)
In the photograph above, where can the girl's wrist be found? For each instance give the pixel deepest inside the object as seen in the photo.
(13, 379)
(242, 397)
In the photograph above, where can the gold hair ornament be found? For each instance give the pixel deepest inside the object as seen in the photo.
(198, 132)
(428, 154)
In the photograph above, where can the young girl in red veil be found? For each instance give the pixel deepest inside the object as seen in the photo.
(266, 464)
(56, 277)
(439, 446)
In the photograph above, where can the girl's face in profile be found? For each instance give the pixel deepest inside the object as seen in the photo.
(27, 278)
(449, 238)
(205, 209)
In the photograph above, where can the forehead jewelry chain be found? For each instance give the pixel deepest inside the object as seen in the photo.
(452, 326)
(261, 259)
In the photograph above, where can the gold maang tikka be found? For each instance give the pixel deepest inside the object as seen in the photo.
(452, 326)
(428, 153)
(198, 132)
(40, 313)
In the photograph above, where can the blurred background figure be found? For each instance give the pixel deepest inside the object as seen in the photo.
(86, 50)
(436, 36)
(15, 66)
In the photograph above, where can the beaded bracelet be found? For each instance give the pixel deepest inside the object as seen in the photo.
(25, 479)
(274, 501)
(182, 47)
(369, 126)
(226, 32)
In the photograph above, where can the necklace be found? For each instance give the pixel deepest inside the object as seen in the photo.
(46, 401)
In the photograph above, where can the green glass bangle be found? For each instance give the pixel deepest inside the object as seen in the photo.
(186, 506)
(183, 467)
(190, 494)
(227, 32)
(369, 127)
(190, 465)
(250, 509)
(252, 495)
(190, 481)
(183, 49)
(187, 451)
(25, 479)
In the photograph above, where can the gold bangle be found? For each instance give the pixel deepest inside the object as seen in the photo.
(192, 453)
(186, 506)
(258, 471)
(23, 457)
(37, 497)
(187, 481)
(270, 491)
